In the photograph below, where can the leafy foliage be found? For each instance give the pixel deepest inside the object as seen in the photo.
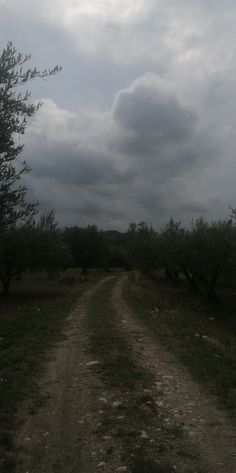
(172, 240)
(36, 246)
(213, 252)
(86, 246)
(15, 108)
(142, 246)
(203, 254)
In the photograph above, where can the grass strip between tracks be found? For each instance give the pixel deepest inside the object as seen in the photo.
(126, 381)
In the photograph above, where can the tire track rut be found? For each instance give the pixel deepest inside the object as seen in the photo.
(60, 436)
(206, 428)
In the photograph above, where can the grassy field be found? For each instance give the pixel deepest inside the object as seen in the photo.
(31, 322)
(202, 337)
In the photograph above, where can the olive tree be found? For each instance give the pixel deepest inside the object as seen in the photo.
(86, 245)
(142, 247)
(15, 108)
(35, 246)
(212, 253)
(172, 241)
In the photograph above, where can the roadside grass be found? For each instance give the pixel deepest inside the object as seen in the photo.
(194, 332)
(127, 382)
(31, 322)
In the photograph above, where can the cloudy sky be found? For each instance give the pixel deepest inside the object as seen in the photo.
(141, 122)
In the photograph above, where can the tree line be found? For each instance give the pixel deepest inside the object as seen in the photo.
(43, 246)
(204, 254)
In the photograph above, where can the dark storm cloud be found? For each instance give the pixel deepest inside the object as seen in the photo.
(84, 167)
(153, 116)
(88, 163)
(158, 133)
(151, 119)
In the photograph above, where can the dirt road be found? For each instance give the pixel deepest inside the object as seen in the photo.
(114, 400)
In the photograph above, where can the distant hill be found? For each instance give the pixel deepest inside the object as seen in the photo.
(112, 233)
(114, 236)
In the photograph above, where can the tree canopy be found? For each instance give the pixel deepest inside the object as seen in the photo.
(15, 109)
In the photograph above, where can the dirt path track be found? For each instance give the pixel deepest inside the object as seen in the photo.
(62, 435)
(183, 402)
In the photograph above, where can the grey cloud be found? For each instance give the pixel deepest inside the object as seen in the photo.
(157, 132)
(153, 114)
(151, 119)
(86, 170)
(79, 205)
(77, 166)
(194, 208)
(72, 151)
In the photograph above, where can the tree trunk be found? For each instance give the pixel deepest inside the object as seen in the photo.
(191, 280)
(211, 289)
(176, 275)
